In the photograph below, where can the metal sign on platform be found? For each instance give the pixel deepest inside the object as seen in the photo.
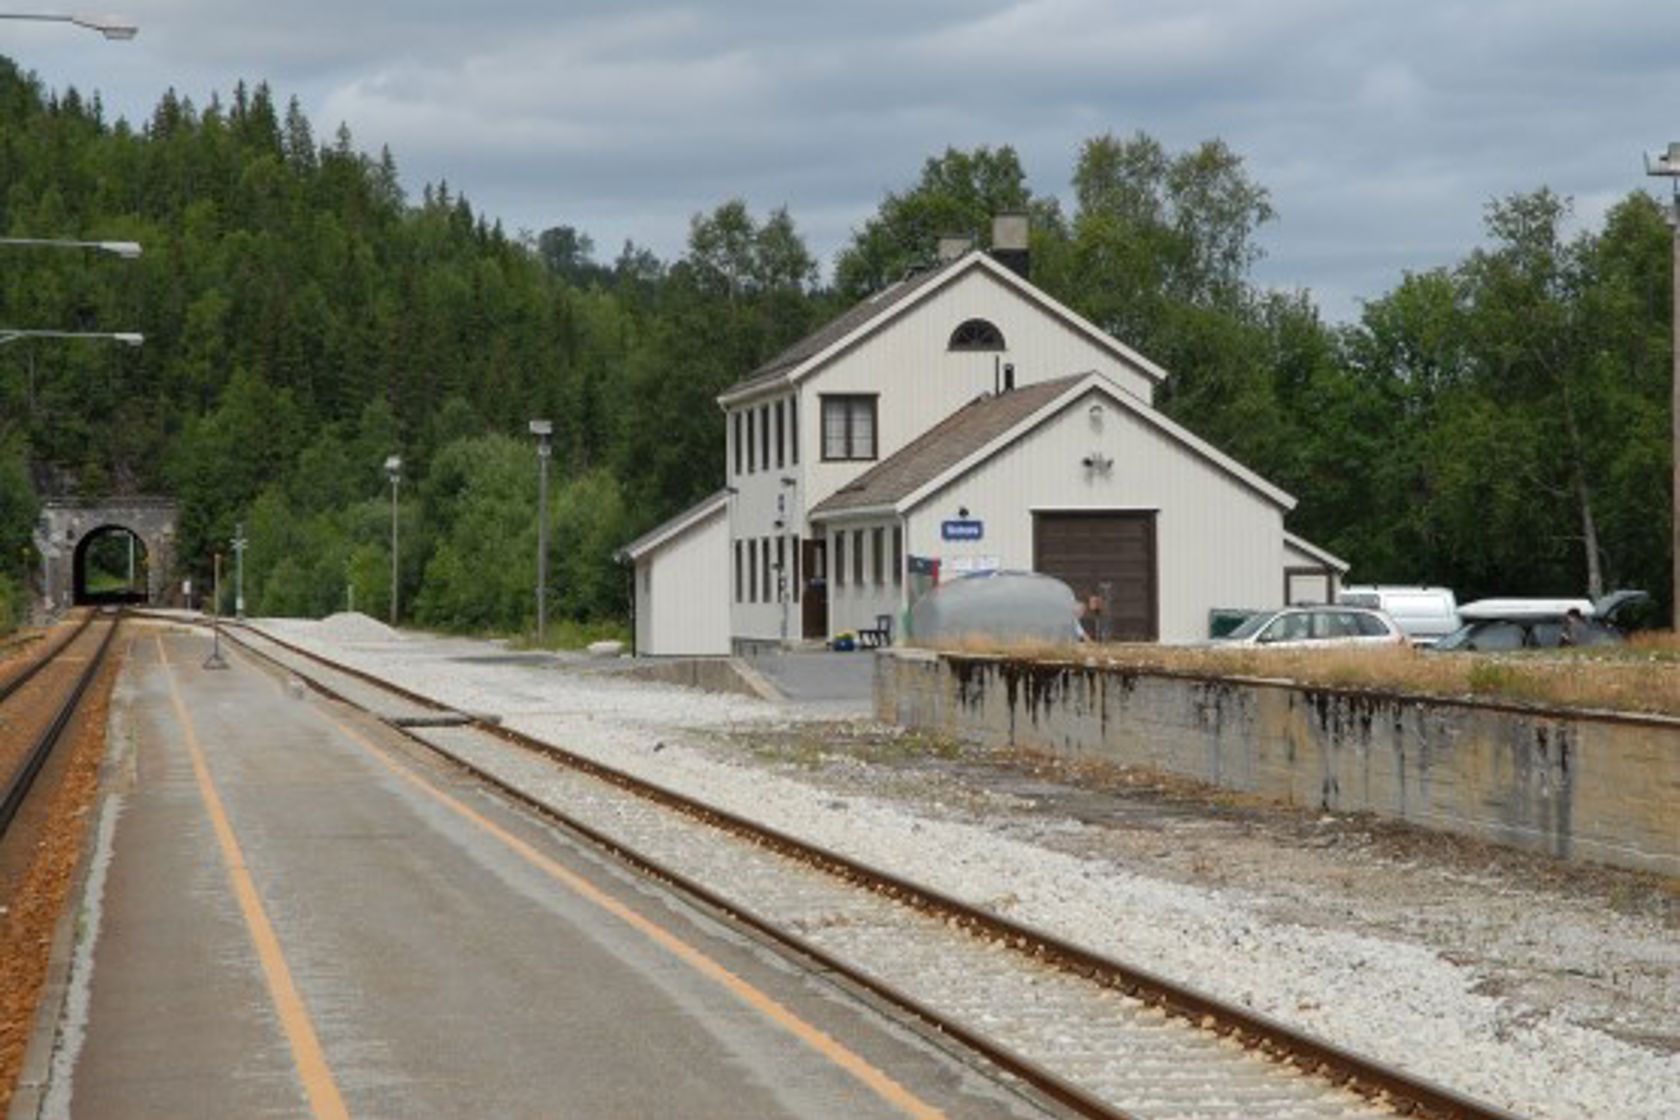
(962, 530)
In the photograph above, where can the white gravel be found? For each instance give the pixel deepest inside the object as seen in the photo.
(1377, 981)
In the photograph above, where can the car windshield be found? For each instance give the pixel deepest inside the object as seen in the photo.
(1251, 626)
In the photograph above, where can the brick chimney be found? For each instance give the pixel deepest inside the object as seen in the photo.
(954, 245)
(1009, 243)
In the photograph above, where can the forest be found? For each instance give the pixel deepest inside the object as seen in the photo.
(1497, 424)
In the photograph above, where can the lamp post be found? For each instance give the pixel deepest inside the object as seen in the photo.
(544, 431)
(109, 26)
(238, 545)
(1667, 165)
(127, 250)
(130, 338)
(393, 467)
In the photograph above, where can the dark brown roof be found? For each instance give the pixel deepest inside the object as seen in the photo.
(943, 446)
(838, 328)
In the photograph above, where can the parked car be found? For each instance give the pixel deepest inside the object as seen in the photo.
(1426, 614)
(997, 606)
(1516, 624)
(1316, 627)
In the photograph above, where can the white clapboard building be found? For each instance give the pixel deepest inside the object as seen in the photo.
(962, 420)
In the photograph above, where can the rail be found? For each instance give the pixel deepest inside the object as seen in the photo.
(1406, 1093)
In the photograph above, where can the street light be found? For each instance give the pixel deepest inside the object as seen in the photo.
(393, 467)
(238, 544)
(130, 338)
(111, 27)
(127, 250)
(1667, 165)
(544, 431)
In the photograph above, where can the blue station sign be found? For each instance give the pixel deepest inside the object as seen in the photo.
(962, 530)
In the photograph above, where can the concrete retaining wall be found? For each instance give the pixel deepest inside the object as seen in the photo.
(712, 674)
(1578, 785)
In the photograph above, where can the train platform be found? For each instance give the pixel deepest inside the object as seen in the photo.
(291, 909)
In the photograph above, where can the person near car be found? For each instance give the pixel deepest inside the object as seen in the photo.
(1574, 628)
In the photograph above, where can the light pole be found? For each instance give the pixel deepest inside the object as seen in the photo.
(1667, 165)
(12, 334)
(127, 250)
(393, 467)
(238, 545)
(544, 431)
(109, 26)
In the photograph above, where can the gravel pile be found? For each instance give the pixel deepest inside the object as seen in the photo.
(1542, 1001)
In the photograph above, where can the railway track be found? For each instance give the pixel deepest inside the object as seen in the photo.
(38, 704)
(1096, 1035)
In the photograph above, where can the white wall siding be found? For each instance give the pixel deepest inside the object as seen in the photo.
(1218, 542)
(920, 380)
(683, 592)
(856, 605)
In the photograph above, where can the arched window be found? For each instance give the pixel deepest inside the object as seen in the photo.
(976, 334)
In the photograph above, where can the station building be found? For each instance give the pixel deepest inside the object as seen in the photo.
(962, 420)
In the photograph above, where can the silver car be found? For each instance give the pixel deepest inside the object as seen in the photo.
(1315, 627)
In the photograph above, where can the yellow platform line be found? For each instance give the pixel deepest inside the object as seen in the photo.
(879, 1082)
(324, 1099)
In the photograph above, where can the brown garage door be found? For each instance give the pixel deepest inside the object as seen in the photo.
(1107, 555)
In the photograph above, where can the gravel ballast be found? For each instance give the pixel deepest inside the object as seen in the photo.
(1546, 990)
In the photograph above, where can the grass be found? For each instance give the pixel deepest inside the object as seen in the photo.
(1642, 676)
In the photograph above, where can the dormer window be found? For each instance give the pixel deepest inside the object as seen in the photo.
(976, 334)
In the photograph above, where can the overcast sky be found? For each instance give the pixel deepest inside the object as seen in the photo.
(1381, 129)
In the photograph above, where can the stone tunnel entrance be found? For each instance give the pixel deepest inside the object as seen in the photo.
(110, 566)
(111, 550)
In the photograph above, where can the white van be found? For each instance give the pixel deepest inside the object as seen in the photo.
(1426, 614)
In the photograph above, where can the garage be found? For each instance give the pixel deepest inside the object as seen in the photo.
(1108, 558)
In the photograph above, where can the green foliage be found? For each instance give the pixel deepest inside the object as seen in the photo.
(11, 604)
(1498, 424)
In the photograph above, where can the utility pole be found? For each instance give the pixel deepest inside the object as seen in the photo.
(1667, 166)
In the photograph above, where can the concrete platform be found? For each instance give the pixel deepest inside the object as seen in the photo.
(293, 911)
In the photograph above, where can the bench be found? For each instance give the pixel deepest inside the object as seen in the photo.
(874, 637)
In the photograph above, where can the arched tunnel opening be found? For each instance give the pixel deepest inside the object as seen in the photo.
(111, 566)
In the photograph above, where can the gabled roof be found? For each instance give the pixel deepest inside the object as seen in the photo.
(657, 536)
(983, 428)
(942, 446)
(841, 334)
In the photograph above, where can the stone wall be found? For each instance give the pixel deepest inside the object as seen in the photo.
(1577, 785)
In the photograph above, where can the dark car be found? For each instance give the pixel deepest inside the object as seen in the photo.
(1506, 625)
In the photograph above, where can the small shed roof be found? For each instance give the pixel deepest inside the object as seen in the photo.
(693, 515)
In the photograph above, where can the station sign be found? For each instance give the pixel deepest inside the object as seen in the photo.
(962, 530)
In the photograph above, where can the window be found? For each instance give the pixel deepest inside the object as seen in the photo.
(878, 555)
(739, 574)
(857, 557)
(794, 549)
(764, 435)
(898, 555)
(840, 559)
(781, 568)
(848, 427)
(793, 429)
(764, 546)
(752, 461)
(737, 443)
(976, 334)
(781, 434)
(752, 572)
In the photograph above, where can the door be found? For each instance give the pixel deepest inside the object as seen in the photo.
(813, 572)
(1108, 558)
